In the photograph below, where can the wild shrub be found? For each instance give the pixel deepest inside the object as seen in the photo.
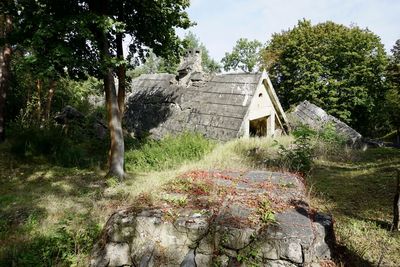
(298, 157)
(310, 144)
(166, 153)
(75, 146)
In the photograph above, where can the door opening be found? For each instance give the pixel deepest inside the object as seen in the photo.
(258, 127)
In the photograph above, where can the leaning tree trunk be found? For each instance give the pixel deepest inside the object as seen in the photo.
(121, 73)
(5, 58)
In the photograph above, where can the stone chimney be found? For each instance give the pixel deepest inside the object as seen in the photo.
(190, 69)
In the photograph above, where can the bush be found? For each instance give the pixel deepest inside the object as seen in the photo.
(298, 157)
(166, 153)
(310, 144)
(76, 146)
(294, 153)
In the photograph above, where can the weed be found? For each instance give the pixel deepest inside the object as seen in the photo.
(76, 148)
(265, 212)
(112, 181)
(179, 201)
(299, 157)
(249, 256)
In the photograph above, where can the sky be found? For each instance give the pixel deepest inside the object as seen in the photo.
(220, 23)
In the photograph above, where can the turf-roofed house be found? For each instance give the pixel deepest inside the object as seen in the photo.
(220, 107)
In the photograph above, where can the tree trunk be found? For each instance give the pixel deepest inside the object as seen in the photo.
(5, 58)
(121, 73)
(50, 95)
(396, 205)
(117, 149)
(38, 104)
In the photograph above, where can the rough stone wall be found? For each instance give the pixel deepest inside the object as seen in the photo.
(229, 234)
(315, 117)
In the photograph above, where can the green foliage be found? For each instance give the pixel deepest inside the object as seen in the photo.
(392, 97)
(266, 213)
(166, 153)
(250, 256)
(75, 146)
(191, 41)
(299, 156)
(338, 68)
(156, 64)
(25, 100)
(310, 144)
(245, 56)
(74, 235)
(179, 201)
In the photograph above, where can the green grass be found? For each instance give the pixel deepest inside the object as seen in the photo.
(359, 194)
(167, 153)
(51, 215)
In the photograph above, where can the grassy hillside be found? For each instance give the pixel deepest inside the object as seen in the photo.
(51, 215)
(359, 193)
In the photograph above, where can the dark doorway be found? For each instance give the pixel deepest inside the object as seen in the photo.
(258, 127)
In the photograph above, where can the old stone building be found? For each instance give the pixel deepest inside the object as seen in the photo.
(306, 113)
(221, 107)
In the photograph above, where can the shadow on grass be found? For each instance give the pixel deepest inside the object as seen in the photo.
(360, 195)
(24, 191)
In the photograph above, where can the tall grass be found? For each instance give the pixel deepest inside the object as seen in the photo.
(171, 151)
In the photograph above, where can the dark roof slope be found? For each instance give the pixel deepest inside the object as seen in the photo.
(215, 107)
(315, 117)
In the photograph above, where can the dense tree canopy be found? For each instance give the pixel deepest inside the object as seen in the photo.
(244, 56)
(339, 68)
(85, 37)
(393, 94)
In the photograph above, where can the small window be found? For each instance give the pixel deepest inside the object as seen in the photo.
(260, 95)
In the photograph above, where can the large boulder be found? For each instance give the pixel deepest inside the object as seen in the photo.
(315, 117)
(219, 219)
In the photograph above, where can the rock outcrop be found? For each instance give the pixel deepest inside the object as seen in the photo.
(315, 117)
(70, 115)
(253, 218)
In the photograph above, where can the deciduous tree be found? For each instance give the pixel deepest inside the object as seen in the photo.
(338, 68)
(393, 94)
(85, 37)
(5, 59)
(244, 56)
